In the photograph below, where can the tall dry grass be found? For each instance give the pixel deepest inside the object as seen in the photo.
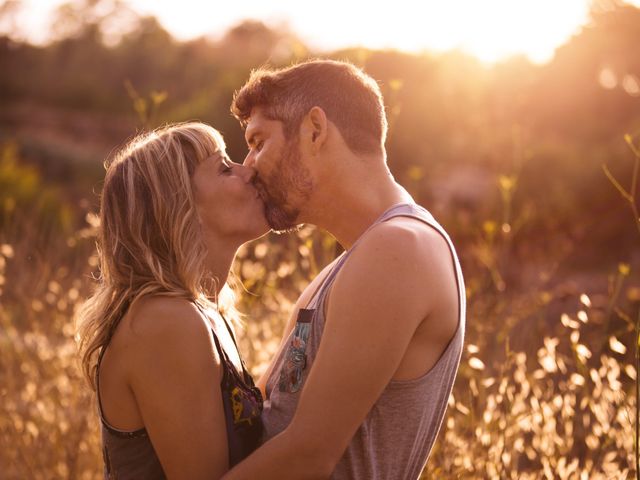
(559, 405)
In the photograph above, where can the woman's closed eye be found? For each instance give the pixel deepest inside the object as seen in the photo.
(226, 166)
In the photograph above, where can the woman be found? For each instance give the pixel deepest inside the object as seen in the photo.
(174, 397)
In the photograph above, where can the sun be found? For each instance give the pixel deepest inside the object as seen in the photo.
(495, 29)
(488, 29)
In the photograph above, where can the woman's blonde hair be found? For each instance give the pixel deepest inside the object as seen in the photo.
(149, 240)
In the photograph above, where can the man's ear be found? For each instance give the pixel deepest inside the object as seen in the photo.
(316, 128)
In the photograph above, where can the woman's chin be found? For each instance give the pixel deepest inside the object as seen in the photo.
(264, 229)
(261, 229)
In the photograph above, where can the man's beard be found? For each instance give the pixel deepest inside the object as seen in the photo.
(289, 180)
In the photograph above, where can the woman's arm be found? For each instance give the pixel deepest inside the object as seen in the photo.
(174, 373)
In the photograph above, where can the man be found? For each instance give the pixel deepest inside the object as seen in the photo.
(360, 385)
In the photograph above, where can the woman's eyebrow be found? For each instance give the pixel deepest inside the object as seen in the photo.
(217, 155)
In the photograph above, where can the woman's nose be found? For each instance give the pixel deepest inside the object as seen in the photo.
(245, 172)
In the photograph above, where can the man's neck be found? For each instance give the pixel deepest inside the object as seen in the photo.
(349, 208)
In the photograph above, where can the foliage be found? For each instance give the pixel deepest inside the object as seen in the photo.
(565, 410)
(508, 157)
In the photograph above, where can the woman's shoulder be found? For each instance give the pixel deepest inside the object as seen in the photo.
(166, 325)
(158, 314)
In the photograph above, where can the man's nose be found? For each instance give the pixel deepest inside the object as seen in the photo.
(249, 160)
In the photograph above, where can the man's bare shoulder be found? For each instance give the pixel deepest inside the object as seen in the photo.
(406, 262)
(406, 239)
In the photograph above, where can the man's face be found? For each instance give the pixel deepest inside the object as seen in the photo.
(283, 182)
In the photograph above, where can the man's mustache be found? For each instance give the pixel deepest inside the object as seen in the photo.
(270, 196)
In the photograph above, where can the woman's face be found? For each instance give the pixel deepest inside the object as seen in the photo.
(227, 201)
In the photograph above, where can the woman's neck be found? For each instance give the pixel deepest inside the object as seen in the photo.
(219, 259)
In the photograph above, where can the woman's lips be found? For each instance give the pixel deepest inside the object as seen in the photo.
(260, 191)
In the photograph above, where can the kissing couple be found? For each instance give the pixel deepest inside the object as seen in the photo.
(359, 386)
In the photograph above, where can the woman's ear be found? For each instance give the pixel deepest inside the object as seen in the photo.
(316, 123)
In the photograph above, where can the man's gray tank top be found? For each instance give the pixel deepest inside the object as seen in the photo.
(397, 435)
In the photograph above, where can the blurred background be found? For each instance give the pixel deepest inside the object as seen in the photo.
(516, 123)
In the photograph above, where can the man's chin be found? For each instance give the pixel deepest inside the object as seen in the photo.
(281, 231)
(281, 221)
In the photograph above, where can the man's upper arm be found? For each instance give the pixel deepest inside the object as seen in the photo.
(377, 302)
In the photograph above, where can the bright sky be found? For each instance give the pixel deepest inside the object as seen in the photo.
(489, 29)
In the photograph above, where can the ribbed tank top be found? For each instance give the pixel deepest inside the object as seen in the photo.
(397, 436)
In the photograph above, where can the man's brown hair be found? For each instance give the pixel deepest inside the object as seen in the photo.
(350, 98)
